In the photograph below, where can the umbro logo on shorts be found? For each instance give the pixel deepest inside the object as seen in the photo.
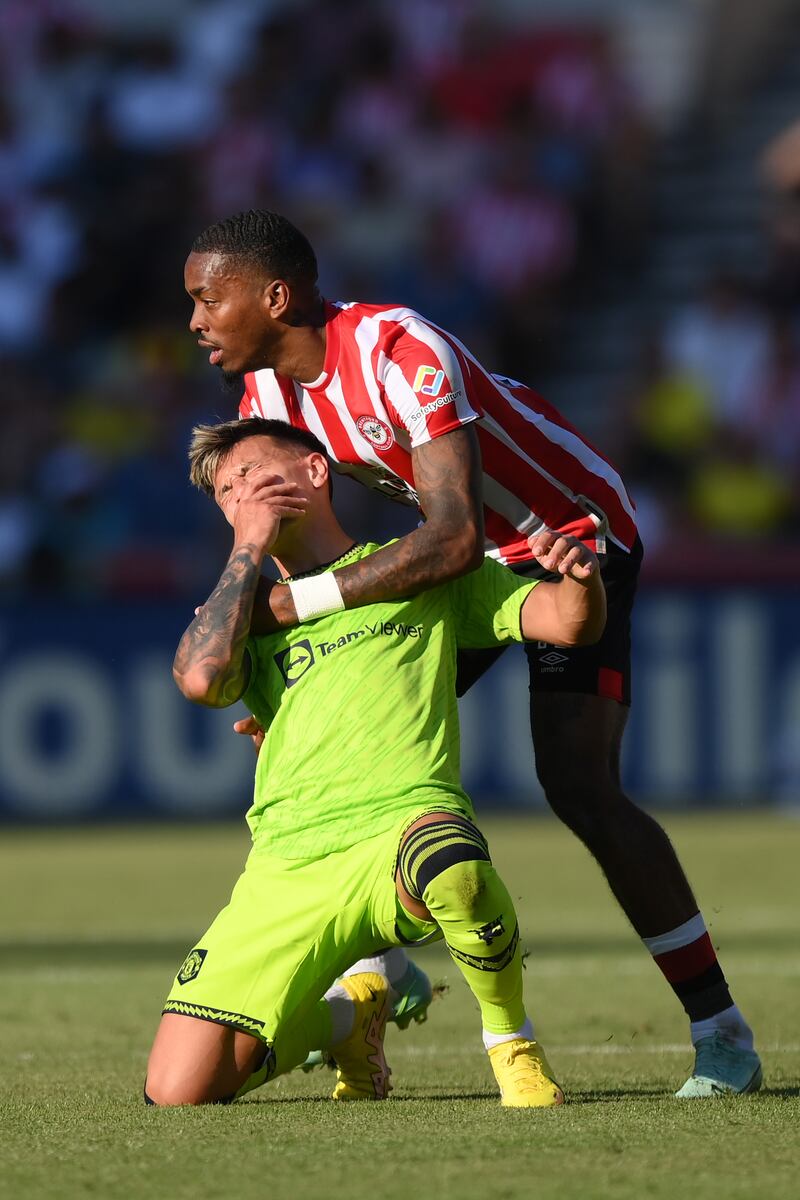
(553, 658)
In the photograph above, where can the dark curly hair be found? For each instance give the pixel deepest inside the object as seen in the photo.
(265, 240)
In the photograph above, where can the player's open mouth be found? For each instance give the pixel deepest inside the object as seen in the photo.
(216, 353)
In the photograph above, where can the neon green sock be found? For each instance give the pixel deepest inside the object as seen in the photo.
(472, 906)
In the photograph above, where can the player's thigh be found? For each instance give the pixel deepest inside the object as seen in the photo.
(199, 1062)
(604, 668)
(290, 927)
(580, 696)
(265, 959)
(577, 739)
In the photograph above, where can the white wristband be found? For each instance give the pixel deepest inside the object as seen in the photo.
(317, 596)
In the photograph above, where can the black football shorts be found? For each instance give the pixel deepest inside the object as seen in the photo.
(603, 669)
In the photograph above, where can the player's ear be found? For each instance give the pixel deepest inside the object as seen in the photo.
(318, 469)
(277, 298)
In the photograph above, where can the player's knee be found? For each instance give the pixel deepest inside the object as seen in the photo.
(570, 805)
(445, 864)
(470, 882)
(458, 889)
(170, 1090)
(162, 1092)
(588, 805)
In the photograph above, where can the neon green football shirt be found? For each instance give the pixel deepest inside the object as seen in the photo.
(360, 711)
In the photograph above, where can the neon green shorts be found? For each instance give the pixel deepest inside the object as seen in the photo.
(290, 928)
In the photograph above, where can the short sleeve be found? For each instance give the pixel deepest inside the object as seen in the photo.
(425, 382)
(487, 606)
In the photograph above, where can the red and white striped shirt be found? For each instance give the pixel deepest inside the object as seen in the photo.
(392, 381)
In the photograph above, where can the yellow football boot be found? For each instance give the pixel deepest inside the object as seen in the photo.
(524, 1075)
(362, 1072)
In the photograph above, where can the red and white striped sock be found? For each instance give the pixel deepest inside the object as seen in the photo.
(688, 961)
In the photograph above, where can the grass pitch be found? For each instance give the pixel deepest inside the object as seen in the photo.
(96, 922)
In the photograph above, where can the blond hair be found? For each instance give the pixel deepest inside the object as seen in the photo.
(211, 443)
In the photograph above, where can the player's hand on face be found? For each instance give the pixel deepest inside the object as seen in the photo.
(563, 555)
(249, 727)
(256, 502)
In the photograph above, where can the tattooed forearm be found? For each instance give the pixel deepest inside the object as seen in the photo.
(210, 666)
(447, 476)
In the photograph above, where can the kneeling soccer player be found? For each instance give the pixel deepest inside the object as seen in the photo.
(362, 834)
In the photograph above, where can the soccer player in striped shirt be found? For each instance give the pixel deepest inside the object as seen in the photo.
(402, 406)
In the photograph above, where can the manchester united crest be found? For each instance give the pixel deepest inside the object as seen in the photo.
(191, 965)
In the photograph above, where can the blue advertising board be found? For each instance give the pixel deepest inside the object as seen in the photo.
(92, 726)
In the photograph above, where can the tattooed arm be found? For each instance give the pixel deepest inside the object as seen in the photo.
(211, 666)
(447, 476)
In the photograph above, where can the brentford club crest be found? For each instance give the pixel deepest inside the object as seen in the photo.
(376, 432)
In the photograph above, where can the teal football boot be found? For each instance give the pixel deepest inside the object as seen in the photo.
(721, 1069)
(414, 995)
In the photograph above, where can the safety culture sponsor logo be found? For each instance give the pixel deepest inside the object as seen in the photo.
(429, 382)
(435, 405)
(294, 662)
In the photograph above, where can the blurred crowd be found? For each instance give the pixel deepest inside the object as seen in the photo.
(710, 436)
(711, 427)
(482, 171)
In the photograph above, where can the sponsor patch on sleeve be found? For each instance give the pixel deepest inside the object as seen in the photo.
(435, 405)
(429, 381)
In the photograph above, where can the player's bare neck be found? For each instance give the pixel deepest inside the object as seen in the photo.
(301, 355)
(316, 547)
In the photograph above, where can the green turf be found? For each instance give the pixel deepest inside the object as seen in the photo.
(95, 922)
